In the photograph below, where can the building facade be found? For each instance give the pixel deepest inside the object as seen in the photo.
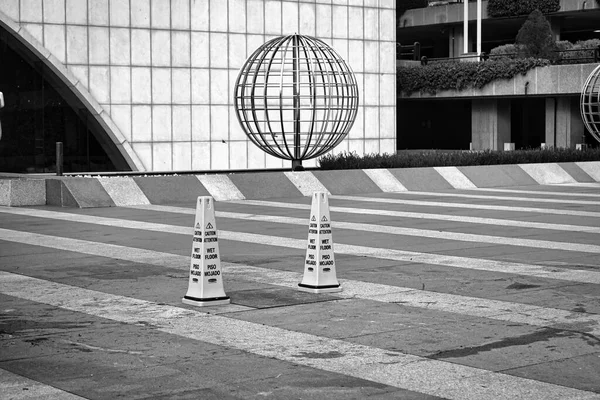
(146, 85)
(540, 107)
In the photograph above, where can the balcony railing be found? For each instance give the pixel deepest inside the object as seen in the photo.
(408, 52)
(564, 57)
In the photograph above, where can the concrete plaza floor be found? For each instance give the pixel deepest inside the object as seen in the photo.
(458, 294)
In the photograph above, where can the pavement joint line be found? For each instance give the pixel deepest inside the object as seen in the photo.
(418, 215)
(553, 211)
(359, 251)
(464, 305)
(433, 234)
(538, 192)
(354, 226)
(427, 233)
(419, 374)
(14, 386)
(579, 184)
(511, 198)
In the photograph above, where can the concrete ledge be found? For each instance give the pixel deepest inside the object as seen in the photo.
(350, 181)
(124, 191)
(264, 185)
(420, 179)
(171, 189)
(22, 192)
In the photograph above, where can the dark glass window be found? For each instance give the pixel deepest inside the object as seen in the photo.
(41, 111)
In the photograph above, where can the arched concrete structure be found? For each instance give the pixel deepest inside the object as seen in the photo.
(74, 85)
(163, 71)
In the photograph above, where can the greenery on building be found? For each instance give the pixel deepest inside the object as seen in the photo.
(535, 38)
(415, 159)
(513, 8)
(567, 52)
(453, 75)
(534, 47)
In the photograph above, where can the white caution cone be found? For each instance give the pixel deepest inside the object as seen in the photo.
(206, 280)
(319, 265)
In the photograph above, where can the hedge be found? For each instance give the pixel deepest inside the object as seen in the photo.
(452, 75)
(581, 51)
(513, 8)
(456, 158)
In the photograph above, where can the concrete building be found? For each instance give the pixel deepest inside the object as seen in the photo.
(146, 85)
(539, 107)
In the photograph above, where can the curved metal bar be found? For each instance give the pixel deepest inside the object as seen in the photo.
(314, 91)
(590, 103)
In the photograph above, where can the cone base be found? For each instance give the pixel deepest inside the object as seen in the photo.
(319, 289)
(215, 301)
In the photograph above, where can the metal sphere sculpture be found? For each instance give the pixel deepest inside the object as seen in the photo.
(296, 98)
(590, 103)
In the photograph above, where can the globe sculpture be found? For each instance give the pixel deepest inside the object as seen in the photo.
(296, 98)
(590, 103)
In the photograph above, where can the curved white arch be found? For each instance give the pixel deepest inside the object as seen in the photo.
(77, 88)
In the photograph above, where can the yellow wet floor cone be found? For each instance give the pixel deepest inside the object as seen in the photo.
(319, 265)
(206, 280)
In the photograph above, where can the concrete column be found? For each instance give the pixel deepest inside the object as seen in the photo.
(466, 26)
(564, 127)
(478, 26)
(550, 139)
(490, 124)
(459, 42)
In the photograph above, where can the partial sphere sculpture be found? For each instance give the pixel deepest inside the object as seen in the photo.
(296, 98)
(590, 103)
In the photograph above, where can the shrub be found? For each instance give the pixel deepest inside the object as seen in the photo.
(563, 45)
(581, 51)
(506, 51)
(535, 37)
(450, 75)
(513, 8)
(455, 158)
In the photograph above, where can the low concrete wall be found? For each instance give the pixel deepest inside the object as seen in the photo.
(124, 191)
(552, 80)
(16, 192)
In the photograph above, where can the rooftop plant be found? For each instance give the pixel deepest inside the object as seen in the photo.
(453, 75)
(535, 37)
(513, 8)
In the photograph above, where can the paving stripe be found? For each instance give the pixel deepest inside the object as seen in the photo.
(590, 168)
(455, 177)
(17, 387)
(463, 205)
(385, 180)
(581, 184)
(433, 234)
(440, 217)
(444, 302)
(124, 191)
(220, 187)
(359, 251)
(306, 182)
(433, 377)
(547, 173)
(511, 198)
(544, 192)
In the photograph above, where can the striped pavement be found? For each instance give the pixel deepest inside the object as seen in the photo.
(469, 294)
(110, 191)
